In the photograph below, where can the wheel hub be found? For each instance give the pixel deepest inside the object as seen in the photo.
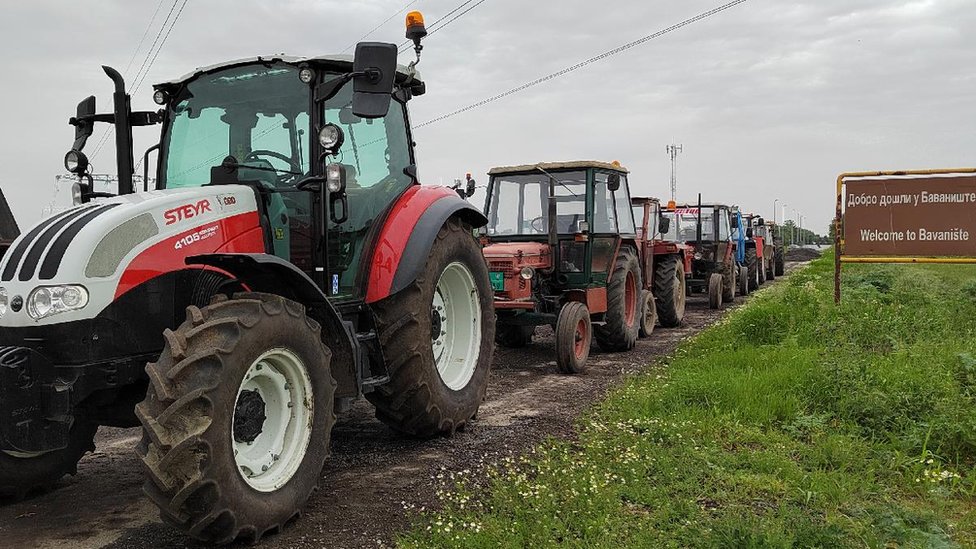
(435, 324)
(249, 416)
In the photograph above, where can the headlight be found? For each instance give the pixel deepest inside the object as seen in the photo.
(50, 300)
(306, 75)
(331, 138)
(76, 162)
(3, 302)
(160, 97)
(527, 273)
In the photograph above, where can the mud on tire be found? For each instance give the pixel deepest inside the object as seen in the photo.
(623, 305)
(20, 475)
(417, 400)
(729, 282)
(752, 263)
(188, 417)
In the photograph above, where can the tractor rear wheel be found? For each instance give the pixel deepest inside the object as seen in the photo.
(715, 285)
(574, 333)
(780, 263)
(729, 282)
(762, 270)
(648, 313)
(237, 418)
(22, 473)
(771, 268)
(752, 269)
(670, 291)
(513, 336)
(437, 336)
(619, 333)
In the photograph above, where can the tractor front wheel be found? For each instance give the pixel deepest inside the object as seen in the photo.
(648, 314)
(715, 285)
(437, 336)
(237, 419)
(574, 332)
(670, 291)
(779, 267)
(744, 281)
(22, 473)
(619, 333)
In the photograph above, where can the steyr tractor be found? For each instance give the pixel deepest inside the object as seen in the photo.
(562, 250)
(664, 265)
(8, 226)
(287, 263)
(707, 229)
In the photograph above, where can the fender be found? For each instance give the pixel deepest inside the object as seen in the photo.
(270, 274)
(408, 234)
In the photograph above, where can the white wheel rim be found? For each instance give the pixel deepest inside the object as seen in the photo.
(456, 326)
(271, 458)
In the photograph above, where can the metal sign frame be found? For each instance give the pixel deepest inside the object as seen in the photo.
(839, 258)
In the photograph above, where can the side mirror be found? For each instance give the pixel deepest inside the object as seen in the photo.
(749, 232)
(664, 225)
(613, 182)
(374, 69)
(82, 122)
(582, 227)
(469, 190)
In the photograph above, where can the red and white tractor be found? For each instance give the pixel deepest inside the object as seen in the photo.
(287, 263)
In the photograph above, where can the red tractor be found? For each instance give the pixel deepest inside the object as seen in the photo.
(562, 250)
(707, 230)
(664, 265)
(287, 263)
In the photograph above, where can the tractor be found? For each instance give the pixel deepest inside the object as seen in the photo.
(664, 265)
(707, 230)
(287, 263)
(741, 245)
(561, 247)
(777, 265)
(759, 254)
(9, 230)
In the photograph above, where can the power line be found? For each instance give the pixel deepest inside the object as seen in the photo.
(143, 39)
(147, 63)
(604, 55)
(377, 27)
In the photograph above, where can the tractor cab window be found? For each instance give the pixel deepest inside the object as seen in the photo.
(724, 225)
(604, 210)
(375, 153)
(258, 114)
(638, 211)
(518, 204)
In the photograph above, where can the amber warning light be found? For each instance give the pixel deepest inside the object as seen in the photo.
(415, 26)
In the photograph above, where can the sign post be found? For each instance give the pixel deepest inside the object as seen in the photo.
(920, 216)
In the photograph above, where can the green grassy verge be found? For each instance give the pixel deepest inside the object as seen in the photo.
(792, 423)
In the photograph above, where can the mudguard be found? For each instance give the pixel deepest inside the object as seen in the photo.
(408, 234)
(270, 274)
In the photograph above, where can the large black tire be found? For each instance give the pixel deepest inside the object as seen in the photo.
(19, 476)
(670, 291)
(513, 336)
(715, 286)
(729, 282)
(771, 268)
(762, 270)
(648, 316)
(743, 286)
(752, 269)
(619, 333)
(780, 262)
(189, 417)
(417, 400)
(574, 333)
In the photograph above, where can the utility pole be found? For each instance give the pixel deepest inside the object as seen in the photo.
(673, 151)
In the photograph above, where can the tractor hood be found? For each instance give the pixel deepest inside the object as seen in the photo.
(512, 256)
(107, 247)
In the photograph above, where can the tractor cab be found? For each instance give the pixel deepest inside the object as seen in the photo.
(707, 228)
(561, 250)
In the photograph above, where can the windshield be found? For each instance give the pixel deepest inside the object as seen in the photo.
(684, 224)
(519, 203)
(258, 114)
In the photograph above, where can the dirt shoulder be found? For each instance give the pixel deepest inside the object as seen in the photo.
(375, 478)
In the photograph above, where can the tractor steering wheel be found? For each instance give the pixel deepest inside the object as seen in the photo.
(537, 225)
(257, 153)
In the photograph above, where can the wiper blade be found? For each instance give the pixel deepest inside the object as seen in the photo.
(557, 181)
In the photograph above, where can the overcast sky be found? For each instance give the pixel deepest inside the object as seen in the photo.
(771, 99)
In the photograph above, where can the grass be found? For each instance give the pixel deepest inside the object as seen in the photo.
(792, 423)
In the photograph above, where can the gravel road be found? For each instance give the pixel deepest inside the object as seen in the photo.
(374, 478)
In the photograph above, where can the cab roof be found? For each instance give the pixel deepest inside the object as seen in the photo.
(337, 62)
(643, 199)
(557, 166)
(703, 205)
